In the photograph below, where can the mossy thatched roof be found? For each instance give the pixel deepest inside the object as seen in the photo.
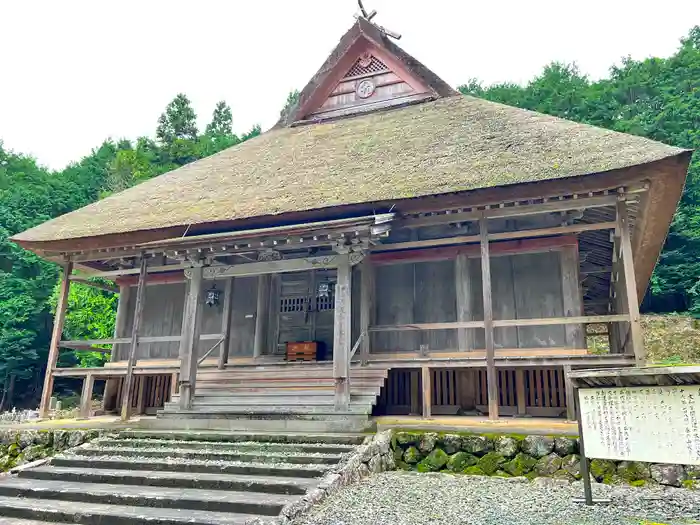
(452, 144)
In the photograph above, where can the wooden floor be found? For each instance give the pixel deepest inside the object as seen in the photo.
(480, 424)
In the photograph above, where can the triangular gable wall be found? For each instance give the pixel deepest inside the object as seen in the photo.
(374, 80)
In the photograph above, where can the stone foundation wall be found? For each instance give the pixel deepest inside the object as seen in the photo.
(18, 447)
(528, 456)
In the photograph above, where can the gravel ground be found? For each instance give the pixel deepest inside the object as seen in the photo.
(407, 498)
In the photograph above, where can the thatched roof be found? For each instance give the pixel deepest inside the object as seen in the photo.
(452, 144)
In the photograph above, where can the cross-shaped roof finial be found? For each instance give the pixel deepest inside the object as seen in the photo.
(369, 16)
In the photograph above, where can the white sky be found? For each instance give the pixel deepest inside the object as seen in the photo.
(74, 72)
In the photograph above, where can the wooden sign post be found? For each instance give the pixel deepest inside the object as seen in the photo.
(638, 414)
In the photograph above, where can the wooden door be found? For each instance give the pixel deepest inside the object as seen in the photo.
(305, 310)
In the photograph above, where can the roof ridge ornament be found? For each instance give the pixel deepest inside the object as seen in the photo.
(369, 16)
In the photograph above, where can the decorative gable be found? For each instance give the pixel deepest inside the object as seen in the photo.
(373, 81)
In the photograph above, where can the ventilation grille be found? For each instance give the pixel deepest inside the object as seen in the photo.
(375, 66)
(293, 304)
(326, 303)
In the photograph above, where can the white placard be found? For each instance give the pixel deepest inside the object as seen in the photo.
(657, 424)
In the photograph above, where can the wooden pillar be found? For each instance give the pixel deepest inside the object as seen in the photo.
(636, 336)
(226, 319)
(261, 315)
(86, 396)
(570, 397)
(58, 321)
(491, 374)
(427, 392)
(141, 395)
(135, 327)
(366, 307)
(342, 333)
(465, 336)
(189, 337)
(109, 400)
(520, 391)
(571, 293)
(415, 389)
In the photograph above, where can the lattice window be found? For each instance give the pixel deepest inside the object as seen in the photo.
(326, 303)
(367, 66)
(293, 304)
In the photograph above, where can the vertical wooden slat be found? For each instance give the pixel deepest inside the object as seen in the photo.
(366, 307)
(135, 327)
(545, 382)
(465, 336)
(491, 376)
(86, 396)
(59, 319)
(630, 284)
(226, 321)
(342, 332)
(540, 388)
(571, 294)
(189, 340)
(520, 391)
(415, 394)
(427, 391)
(174, 387)
(111, 397)
(260, 314)
(140, 394)
(570, 397)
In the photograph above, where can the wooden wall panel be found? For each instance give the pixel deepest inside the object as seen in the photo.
(245, 292)
(538, 293)
(503, 301)
(395, 299)
(435, 301)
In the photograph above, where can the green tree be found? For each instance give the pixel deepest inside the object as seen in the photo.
(221, 124)
(177, 122)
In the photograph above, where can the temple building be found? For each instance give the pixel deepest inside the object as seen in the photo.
(389, 247)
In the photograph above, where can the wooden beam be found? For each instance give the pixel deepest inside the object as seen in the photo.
(511, 211)
(536, 245)
(282, 266)
(135, 327)
(465, 337)
(367, 291)
(59, 319)
(226, 320)
(427, 392)
(191, 326)
(549, 321)
(636, 335)
(100, 286)
(342, 333)
(570, 397)
(572, 298)
(491, 374)
(427, 326)
(261, 312)
(86, 396)
(134, 271)
(520, 391)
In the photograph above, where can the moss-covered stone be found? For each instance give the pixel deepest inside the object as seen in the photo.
(564, 446)
(407, 438)
(398, 454)
(520, 465)
(538, 446)
(474, 471)
(548, 465)
(427, 442)
(412, 455)
(638, 483)
(692, 471)
(600, 468)
(491, 462)
(402, 465)
(461, 460)
(572, 465)
(506, 446)
(501, 474)
(477, 445)
(32, 453)
(434, 461)
(14, 450)
(630, 471)
(692, 484)
(450, 443)
(562, 474)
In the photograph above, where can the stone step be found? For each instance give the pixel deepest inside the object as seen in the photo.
(20, 521)
(291, 373)
(155, 497)
(263, 411)
(230, 446)
(101, 514)
(200, 419)
(235, 437)
(260, 456)
(270, 390)
(149, 478)
(118, 462)
(271, 400)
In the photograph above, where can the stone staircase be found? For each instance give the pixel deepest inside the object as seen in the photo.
(282, 397)
(173, 477)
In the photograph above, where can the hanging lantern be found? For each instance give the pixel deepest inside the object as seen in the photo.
(212, 298)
